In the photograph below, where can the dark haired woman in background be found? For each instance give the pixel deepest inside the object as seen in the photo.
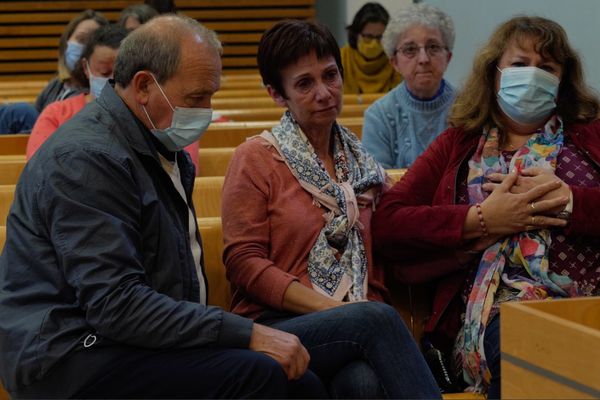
(297, 204)
(367, 69)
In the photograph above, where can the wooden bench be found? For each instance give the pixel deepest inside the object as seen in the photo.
(219, 292)
(30, 30)
(231, 134)
(212, 162)
(206, 195)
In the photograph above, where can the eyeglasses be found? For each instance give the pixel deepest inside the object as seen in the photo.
(370, 37)
(411, 50)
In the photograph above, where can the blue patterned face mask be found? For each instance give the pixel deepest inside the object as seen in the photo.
(187, 125)
(73, 54)
(527, 95)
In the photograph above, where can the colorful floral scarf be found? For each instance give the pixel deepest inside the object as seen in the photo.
(525, 252)
(337, 263)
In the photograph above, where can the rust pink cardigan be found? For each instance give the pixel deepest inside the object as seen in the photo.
(269, 227)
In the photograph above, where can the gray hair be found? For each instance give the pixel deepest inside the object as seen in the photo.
(417, 14)
(156, 47)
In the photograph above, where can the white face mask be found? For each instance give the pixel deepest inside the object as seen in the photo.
(527, 95)
(96, 83)
(187, 125)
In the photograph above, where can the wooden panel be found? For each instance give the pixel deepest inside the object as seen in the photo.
(13, 144)
(275, 112)
(10, 171)
(7, 193)
(219, 292)
(231, 134)
(207, 196)
(29, 30)
(561, 347)
(214, 161)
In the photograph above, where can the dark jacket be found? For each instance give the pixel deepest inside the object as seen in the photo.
(418, 223)
(55, 90)
(97, 243)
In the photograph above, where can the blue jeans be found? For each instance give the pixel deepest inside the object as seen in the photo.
(491, 346)
(363, 350)
(17, 118)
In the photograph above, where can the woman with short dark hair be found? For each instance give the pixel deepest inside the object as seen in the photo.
(296, 209)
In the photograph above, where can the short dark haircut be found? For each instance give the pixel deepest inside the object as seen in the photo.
(289, 40)
(369, 13)
(107, 35)
(142, 12)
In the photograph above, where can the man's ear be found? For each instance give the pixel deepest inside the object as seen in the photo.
(141, 86)
(276, 96)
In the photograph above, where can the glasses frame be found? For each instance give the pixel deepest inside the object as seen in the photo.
(431, 49)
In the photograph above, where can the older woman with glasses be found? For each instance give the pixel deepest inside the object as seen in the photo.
(366, 66)
(399, 126)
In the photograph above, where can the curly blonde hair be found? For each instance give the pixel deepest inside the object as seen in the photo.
(476, 108)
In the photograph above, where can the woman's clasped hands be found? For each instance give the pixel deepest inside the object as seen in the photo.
(524, 201)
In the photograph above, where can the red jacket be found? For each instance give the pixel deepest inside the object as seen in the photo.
(418, 224)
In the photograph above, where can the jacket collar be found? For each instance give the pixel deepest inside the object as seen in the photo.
(137, 135)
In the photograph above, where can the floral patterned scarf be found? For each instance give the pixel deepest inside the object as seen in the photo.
(525, 252)
(337, 263)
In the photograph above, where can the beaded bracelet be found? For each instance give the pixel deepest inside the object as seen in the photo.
(481, 220)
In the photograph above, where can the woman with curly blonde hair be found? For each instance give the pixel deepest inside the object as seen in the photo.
(498, 208)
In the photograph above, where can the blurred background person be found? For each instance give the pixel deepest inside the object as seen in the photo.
(366, 67)
(91, 72)
(399, 126)
(162, 6)
(17, 118)
(135, 15)
(70, 48)
(503, 205)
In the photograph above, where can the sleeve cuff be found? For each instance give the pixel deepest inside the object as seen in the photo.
(235, 331)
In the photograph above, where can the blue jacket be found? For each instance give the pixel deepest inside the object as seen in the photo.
(97, 243)
(398, 127)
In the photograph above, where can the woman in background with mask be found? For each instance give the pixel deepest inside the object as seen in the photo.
(366, 67)
(70, 47)
(90, 73)
(399, 126)
(503, 205)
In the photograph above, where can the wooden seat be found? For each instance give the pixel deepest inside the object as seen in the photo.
(275, 112)
(13, 144)
(207, 196)
(219, 291)
(10, 170)
(265, 101)
(214, 161)
(232, 134)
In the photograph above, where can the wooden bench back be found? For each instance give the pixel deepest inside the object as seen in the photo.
(30, 30)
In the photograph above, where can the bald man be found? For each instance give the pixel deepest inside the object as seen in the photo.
(102, 286)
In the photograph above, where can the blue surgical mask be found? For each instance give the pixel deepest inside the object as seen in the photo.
(96, 83)
(527, 95)
(73, 54)
(187, 126)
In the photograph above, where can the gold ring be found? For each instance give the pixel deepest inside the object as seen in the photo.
(532, 220)
(532, 204)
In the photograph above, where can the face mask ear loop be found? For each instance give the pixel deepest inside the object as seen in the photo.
(163, 93)
(148, 116)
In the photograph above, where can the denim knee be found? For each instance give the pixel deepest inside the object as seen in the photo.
(375, 315)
